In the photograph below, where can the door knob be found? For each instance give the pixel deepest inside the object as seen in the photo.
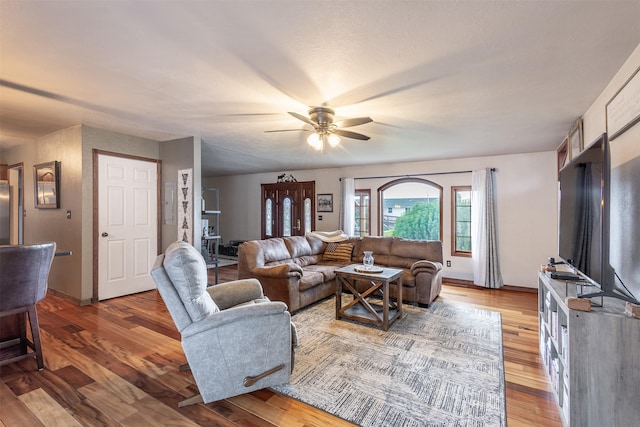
(105, 234)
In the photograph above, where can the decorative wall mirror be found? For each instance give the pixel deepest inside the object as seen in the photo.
(46, 181)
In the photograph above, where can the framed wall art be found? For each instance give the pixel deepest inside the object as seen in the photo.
(563, 153)
(623, 110)
(575, 139)
(46, 185)
(325, 202)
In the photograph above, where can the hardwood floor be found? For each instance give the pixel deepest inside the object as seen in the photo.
(116, 363)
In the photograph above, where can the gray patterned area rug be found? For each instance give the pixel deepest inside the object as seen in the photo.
(441, 366)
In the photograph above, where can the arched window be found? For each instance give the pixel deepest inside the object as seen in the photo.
(410, 208)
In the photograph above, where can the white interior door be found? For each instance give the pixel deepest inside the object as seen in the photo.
(127, 225)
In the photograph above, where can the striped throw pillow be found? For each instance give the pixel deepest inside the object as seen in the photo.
(338, 252)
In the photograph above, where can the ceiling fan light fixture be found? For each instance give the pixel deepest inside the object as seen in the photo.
(315, 141)
(325, 130)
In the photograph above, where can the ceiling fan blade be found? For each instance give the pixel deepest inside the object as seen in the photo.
(349, 134)
(304, 119)
(288, 130)
(251, 114)
(352, 122)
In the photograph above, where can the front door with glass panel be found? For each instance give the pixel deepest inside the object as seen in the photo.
(288, 209)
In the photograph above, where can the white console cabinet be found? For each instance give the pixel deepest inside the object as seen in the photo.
(592, 358)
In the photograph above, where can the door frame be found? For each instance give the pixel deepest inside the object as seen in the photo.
(19, 168)
(96, 208)
(297, 192)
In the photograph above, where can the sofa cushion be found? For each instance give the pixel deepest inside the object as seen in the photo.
(316, 245)
(357, 243)
(298, 246)
(310, 279)
(304, 261)
(188, 272)
(274, 250)
(399, 262)
(338, 252)
(377, 245)
(417, 249)
(328, 271)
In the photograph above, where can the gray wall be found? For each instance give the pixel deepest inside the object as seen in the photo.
(180, 154)
(42, 225)
(73, 275)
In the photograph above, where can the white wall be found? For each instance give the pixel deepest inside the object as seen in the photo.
(527, 205)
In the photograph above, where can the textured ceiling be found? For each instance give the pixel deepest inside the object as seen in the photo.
(440, 79)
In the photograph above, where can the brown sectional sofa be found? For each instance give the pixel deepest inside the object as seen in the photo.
(295, 269)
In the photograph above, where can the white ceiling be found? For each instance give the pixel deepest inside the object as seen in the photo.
(440, 79)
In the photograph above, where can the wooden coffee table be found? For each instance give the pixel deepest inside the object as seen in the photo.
(362, 309)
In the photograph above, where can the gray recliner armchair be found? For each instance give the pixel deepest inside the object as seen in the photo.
(235, 339)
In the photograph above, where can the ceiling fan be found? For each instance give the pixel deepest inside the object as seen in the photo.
(326, 130)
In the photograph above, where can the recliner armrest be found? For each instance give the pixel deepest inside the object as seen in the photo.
(234, 315)
(425, 266)
(236, 292)
(281, 270)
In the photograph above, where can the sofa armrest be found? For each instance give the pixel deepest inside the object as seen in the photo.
(234, 315)
(236, 292)
(425, 266)
(281, 270)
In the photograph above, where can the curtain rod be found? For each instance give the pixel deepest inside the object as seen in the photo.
(416, 174)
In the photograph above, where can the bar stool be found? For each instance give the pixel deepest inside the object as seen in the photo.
(24, 271)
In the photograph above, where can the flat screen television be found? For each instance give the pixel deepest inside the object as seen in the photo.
(583, 228)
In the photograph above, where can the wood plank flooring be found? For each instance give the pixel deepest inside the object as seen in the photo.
(116, 363)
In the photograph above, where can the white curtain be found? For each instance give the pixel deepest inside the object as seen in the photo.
(347, 206)
(484, 232)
